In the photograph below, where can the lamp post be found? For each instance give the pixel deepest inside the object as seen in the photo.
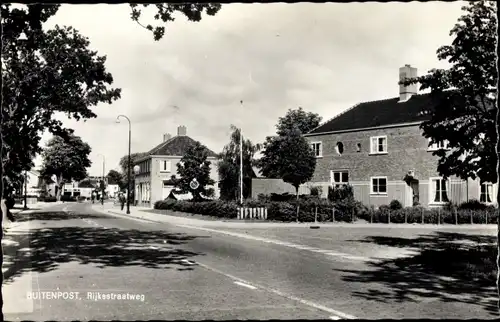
(241, 163)
(25, 190)
(129, 161)
(103, 182)
(136, 172)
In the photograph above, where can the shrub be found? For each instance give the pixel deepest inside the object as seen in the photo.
(472, 204)
(68, 198)
(216, 208)
(49, 199)
(395, 205)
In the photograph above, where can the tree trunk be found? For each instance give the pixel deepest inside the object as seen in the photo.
(59, 188)
(297, 199)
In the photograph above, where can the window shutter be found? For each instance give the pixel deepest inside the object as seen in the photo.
(168, 166)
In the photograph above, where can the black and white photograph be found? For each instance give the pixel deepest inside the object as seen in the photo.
(249, 161)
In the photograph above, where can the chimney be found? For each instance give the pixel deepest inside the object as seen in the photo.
(181, 130)
(166, 137)
(405, 92)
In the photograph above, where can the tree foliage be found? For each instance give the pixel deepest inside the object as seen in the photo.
(229, 166)
(44, 72)
(165, 12)
(465, 95)
(194, 165)
(124, 167)
(115, 177)
(289, 157)
(304, 121)
(67, 159)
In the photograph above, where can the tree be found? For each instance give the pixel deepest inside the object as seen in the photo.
(289, 157)
(66, 159)
(43, 72)
(194, 165)
(115, 177)
(305, 121)
(229, 166)
(165, 12)
(465, 97)
(124, 167)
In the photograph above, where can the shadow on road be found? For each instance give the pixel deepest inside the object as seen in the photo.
(47, 215)
(50, 247)
(451, 267)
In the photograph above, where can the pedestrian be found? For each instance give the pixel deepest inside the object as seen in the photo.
(122, 201)
(93, 196)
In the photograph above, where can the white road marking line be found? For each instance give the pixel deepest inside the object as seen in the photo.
(334, 317)
(290, 297)
(281, 243)
(245, 285)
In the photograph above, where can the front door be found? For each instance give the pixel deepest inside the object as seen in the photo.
(415, 192)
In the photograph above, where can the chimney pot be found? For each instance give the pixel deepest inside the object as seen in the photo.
(181, 130)
(166, 137)
(406, 92)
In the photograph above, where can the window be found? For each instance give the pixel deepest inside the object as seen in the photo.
(486, 192)
(378, 144)
(438, 146)
(317, 148)
(358, 149)
(339, 178)
(340, 148)
(379, 185)
(439, 190)
(166, 166)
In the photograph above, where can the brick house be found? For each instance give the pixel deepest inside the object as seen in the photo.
(379, 149)
(160, 163)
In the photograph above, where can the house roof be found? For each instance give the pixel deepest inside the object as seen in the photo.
(379, 113)
(177, 146)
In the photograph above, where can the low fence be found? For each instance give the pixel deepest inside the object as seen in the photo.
(252, 213)
(29, 200)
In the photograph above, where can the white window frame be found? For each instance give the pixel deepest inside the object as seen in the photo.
(492, 198)
(165, 166)
(332, 178)
(378, 193)
(432, 191)
(320, 149)
(372, 147)
(443, 145)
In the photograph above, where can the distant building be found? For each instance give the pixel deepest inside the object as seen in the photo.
(160, 163)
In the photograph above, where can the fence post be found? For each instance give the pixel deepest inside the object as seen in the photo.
(423, 215)
(406, 219)
(389, 217)
(371, 216)
(333, 214)
(456, 216)
(486, 217)
(315, 214)
(439, 216)
(471, 218)
(352, 215)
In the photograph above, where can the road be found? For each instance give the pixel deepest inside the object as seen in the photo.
(194, 273)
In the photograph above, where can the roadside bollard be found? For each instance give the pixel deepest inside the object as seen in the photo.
(471, 218)
(406, 218)
(439, 216)
(486, 217)
(389, 217)
(333, 214)
(456, 216)
(422, 216)
(315, 215)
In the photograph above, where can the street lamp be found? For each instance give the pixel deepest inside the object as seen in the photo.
(129, 161)
(136, 172)
(103, 171)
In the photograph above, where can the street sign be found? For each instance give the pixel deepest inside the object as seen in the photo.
(194, 184)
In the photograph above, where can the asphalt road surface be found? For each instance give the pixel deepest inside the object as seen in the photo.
(112, 268)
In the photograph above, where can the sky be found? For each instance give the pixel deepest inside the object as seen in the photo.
(323, 57)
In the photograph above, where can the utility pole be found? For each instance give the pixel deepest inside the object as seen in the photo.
(241, 161)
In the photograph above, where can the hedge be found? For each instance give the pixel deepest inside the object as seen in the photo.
(344, 211)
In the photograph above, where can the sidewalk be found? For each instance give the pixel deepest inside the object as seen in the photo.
(142, 214)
